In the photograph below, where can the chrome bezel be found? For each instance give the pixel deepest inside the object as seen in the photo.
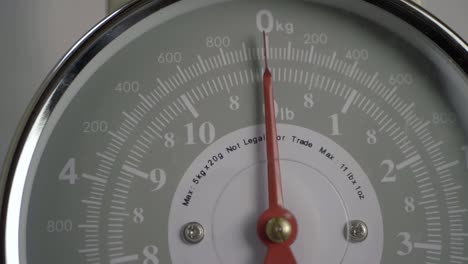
(103, 33)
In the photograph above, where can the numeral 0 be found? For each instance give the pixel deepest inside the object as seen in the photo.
(265, 21)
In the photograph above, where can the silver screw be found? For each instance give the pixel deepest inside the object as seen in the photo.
(193, 232)
(356, 231)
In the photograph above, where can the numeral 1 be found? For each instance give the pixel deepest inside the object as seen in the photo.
(335, 125)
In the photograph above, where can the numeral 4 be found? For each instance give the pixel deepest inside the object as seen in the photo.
(68, 173)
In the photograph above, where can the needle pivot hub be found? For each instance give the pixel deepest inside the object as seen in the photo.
(278, 230)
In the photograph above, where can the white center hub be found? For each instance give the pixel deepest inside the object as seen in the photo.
(225, 189)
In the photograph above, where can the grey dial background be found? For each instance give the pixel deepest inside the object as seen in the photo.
(66, 132)
(38, 33)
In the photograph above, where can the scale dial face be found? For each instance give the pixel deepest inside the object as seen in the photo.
(151, 147)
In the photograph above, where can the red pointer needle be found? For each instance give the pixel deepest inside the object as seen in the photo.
(277, 227)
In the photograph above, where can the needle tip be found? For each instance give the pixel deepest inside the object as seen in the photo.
(265, 49)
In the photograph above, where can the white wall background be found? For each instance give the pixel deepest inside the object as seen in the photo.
(34, 35)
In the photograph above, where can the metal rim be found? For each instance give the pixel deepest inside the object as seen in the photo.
(56, 83)
(430, 26)
(115, 24)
